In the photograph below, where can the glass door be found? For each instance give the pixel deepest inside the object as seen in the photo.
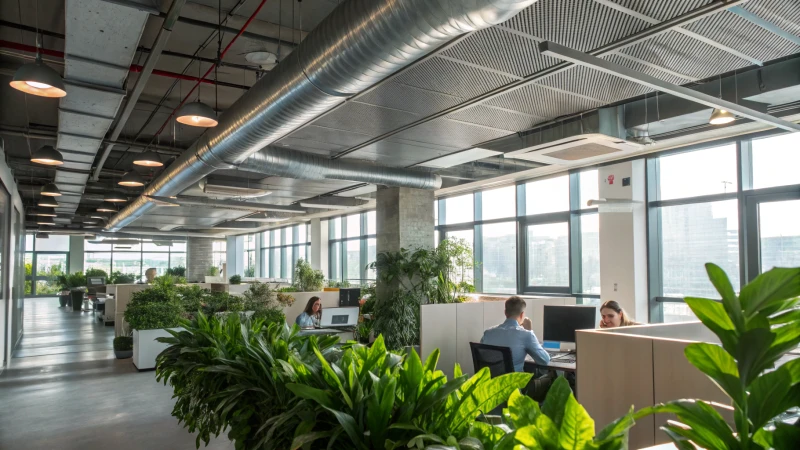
(773, 232)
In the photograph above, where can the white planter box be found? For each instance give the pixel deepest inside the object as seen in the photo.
(145, 347)
(238, 289)
(216, 279)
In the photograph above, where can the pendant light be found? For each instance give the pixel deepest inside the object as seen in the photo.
(148, 159)
(45, 221)
(197, 114)
(48, 201)
(38, 79)
(50, 190)
(131, 179)
(720, 116)
(107, 207)
(42, 235)
(113, 197)
(100, 215)
(45, 212)
(48, 156)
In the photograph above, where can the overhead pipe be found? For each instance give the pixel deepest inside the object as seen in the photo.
(141, 81)
(283, 162)
(360, 43)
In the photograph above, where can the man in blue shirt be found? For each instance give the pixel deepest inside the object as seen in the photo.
(516, 334)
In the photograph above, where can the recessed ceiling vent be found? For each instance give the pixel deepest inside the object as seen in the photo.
(218, 190)
(578, 140)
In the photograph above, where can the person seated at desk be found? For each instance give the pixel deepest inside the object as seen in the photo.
(614, 316)
(516, 334)
(310, 316)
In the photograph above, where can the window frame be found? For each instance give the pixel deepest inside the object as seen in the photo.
(288, 242)
(342, 241)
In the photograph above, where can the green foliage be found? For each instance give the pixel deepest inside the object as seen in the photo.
(562, 423)
(213, 271)
(178, 271)
(250, 271)
(155, 307)
(306, 279)
(123, 343)
(288, 289)
(229, 375)
(235, 279)
(72, 280)
(96, 273)
(337, 284)
(756, 329)
(397, 319)
(118, 277)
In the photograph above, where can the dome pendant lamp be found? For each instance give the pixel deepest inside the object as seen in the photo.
(131, 179)
(50, 190)
(148, 159)
(45, 212)
(721, 117)
(113, 197)
(38, 79)
(197, 114)
(48, 202)
(107, 207)
(48, 156)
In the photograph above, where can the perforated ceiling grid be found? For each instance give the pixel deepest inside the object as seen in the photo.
(540, 101)
(496, 118)
(407, 98)
(366, 119)
(445, 76)
(783, 13)
(451, 133)
(662, 10)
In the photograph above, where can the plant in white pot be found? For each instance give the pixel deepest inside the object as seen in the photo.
(149, 314)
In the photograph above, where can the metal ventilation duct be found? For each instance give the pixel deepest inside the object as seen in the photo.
(306, 166)
(99, 50)
(359, 44)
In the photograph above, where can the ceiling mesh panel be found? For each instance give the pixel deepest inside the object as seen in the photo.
(595, 84)
(451, 78)
(447, 132)
(496, 118)
(407, 98)
(543, 102)
(365, 119)
(579, 24)
(501, 50)
(679, 52)
(650, 70)
(742, 35)
(783, 13)
(662, 9)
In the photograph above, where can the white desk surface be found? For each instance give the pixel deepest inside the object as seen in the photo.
(554, 364)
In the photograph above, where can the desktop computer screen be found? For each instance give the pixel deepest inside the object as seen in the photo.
(339, 317)
(560, 322)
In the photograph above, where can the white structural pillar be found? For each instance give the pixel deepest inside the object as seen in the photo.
(76, 246)
(234, 249)
(623, 237)
(319, 245)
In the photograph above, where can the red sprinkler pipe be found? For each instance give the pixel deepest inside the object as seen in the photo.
(210, 69)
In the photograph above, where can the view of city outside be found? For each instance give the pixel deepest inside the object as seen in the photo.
(548, 254)
(779, 234)
(500, 258)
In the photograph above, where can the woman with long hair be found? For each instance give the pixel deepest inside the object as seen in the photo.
(310, 316)
(614, 316)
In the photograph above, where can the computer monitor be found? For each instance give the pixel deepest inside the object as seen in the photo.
(339, 317)
(349, 296)
(560, 322)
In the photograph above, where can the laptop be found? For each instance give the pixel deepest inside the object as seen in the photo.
(339, 317)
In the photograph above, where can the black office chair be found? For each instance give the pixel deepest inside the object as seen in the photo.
(497, 359)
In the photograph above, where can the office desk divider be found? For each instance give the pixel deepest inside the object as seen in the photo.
(641, 366)
(451, 327)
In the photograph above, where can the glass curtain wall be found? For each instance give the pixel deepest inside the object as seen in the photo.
(136, 258)
(281, 248)
(45, 260)
(351, 246)
(734, 203)
(219, 254)
(536, 237)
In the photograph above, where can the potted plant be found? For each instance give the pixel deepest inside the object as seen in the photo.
(63, 295)
(150, 314)
(75, 283)
(236, 279)
(306, 279)
(123, 347)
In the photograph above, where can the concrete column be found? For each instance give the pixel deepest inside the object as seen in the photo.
(623, 238)
(319, 245)
(198, 258)
(404, 218)
(76, 246)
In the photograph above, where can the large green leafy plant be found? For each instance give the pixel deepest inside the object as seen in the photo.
(230, 375)
(158, 306)
(756, 329)
(306, 279)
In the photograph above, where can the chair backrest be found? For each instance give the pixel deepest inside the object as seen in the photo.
(497, 359)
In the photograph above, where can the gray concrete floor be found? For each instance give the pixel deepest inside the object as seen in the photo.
(63, 389)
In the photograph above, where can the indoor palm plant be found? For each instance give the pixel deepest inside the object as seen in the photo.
(756, 329)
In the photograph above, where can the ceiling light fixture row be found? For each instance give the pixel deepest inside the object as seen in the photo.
(38, 79)
(148, 158)
(49, 202)
(131, 179)
(48, 156)
(50, 190)
(114, 197)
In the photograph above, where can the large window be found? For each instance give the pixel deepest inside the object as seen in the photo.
(734, 204)
(281, 248)
(537, 237)
(45, 260)
(351, 246)
(219, 254)
(134, 258)
(249, 255)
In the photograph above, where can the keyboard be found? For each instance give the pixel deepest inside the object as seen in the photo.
(562, 357)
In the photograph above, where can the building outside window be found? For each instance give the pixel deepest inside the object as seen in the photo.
(219, 254)
(134, 259)
(250, 255)
(45, 260)
(352, 246)
(281, 248)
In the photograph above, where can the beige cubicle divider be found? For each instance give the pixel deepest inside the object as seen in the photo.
(640, 366)
(122, 296)
(451, 327)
